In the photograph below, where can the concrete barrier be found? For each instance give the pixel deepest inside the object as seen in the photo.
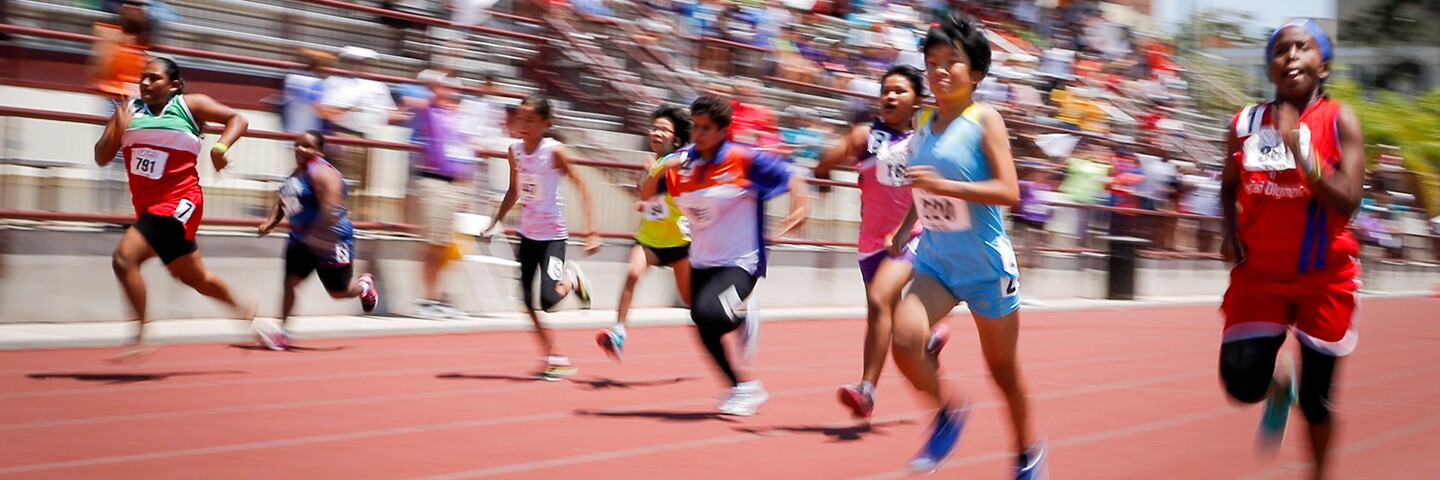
(64, 276)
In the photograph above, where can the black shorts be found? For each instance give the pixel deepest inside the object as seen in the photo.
(544, 259)
(668, 256)
(166, 236)
(300, 261)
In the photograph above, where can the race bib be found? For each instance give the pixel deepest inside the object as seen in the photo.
(342, 253)
(698, 209)
(184, 210)
(942, 214)
(289, 201)
(529, 188)
(148, 162)
(1265, 150)
(656, 210)
(890, 163)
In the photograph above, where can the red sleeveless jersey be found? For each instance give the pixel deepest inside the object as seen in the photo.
(1283, 226)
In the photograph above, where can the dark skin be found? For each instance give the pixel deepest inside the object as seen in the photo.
(328, 185)
(156, 90)
(1297, 69)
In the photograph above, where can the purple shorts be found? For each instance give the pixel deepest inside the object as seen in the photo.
(869, 264)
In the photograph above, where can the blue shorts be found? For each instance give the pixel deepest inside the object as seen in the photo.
(989, 299)
(871, 264)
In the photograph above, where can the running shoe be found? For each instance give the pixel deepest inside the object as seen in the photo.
(428, 310)
(371, 295)
(939, 336)
(582, 284)
(612, 342)
(859, 399)
(555, 373)
(944, 437)
(1277, 410)
(744, 399)
(1033, 465)
(273, 338)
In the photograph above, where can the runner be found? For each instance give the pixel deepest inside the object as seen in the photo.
(322, 239)
(721, 187)
(1291, 184)
(880, 148)
(537, 164)
(962, 173)
(663, 238)
(159, 136)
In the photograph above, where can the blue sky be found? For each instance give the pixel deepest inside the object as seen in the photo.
(1268, 13)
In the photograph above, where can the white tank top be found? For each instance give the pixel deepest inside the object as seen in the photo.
(542, 213)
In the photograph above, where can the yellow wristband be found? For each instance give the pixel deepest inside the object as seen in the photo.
(223, 148)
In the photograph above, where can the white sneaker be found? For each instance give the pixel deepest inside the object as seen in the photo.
(744, 399)
(429, 310)
(449, 311)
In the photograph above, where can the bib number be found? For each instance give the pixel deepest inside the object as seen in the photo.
(942, 214)
(148, 162)
(656, 210)
(342, 253)
(184, 210)
(1265, 151)
(698, 209)
(890, 163)
(529, 188)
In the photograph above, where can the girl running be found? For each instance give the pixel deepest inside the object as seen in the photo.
(961, 172)
(159, 136)
(721, 187)
(880, 148)
(1291, 184)
(662, 239)
(537, 164)
(322, 240)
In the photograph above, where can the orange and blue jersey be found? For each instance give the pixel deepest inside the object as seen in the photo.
(1283, 226)
(724, 200)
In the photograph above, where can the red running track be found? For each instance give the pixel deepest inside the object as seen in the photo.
(1121, 394)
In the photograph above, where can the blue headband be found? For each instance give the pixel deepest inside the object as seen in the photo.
(1321, 39)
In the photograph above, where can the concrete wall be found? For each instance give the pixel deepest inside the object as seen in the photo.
(65, 276)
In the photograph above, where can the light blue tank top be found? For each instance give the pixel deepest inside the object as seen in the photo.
(965, 240)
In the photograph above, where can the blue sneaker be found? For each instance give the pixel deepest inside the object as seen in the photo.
(612, 342)
(1032, 466)
(1277, 410)
(944, 437)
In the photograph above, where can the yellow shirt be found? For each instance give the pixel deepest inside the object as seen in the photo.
(660, 220)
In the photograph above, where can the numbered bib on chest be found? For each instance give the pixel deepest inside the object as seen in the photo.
(890, 162)
(698, 208)
(656, 209)
(529, 188)
(290, 198)
(942, 214)
(148, 162)
(1265, 151)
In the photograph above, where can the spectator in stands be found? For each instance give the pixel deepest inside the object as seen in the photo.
(119, 52)
(463, 15)
(1200, 195)
(805, 137)
(1157, 190)
(114, 73)
(445, 169)
(302, 92)
(1086, 176)
(790, 62)
(356, 107)
(753, 123)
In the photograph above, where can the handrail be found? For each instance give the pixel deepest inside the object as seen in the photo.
(438, 22)
(232, 58)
